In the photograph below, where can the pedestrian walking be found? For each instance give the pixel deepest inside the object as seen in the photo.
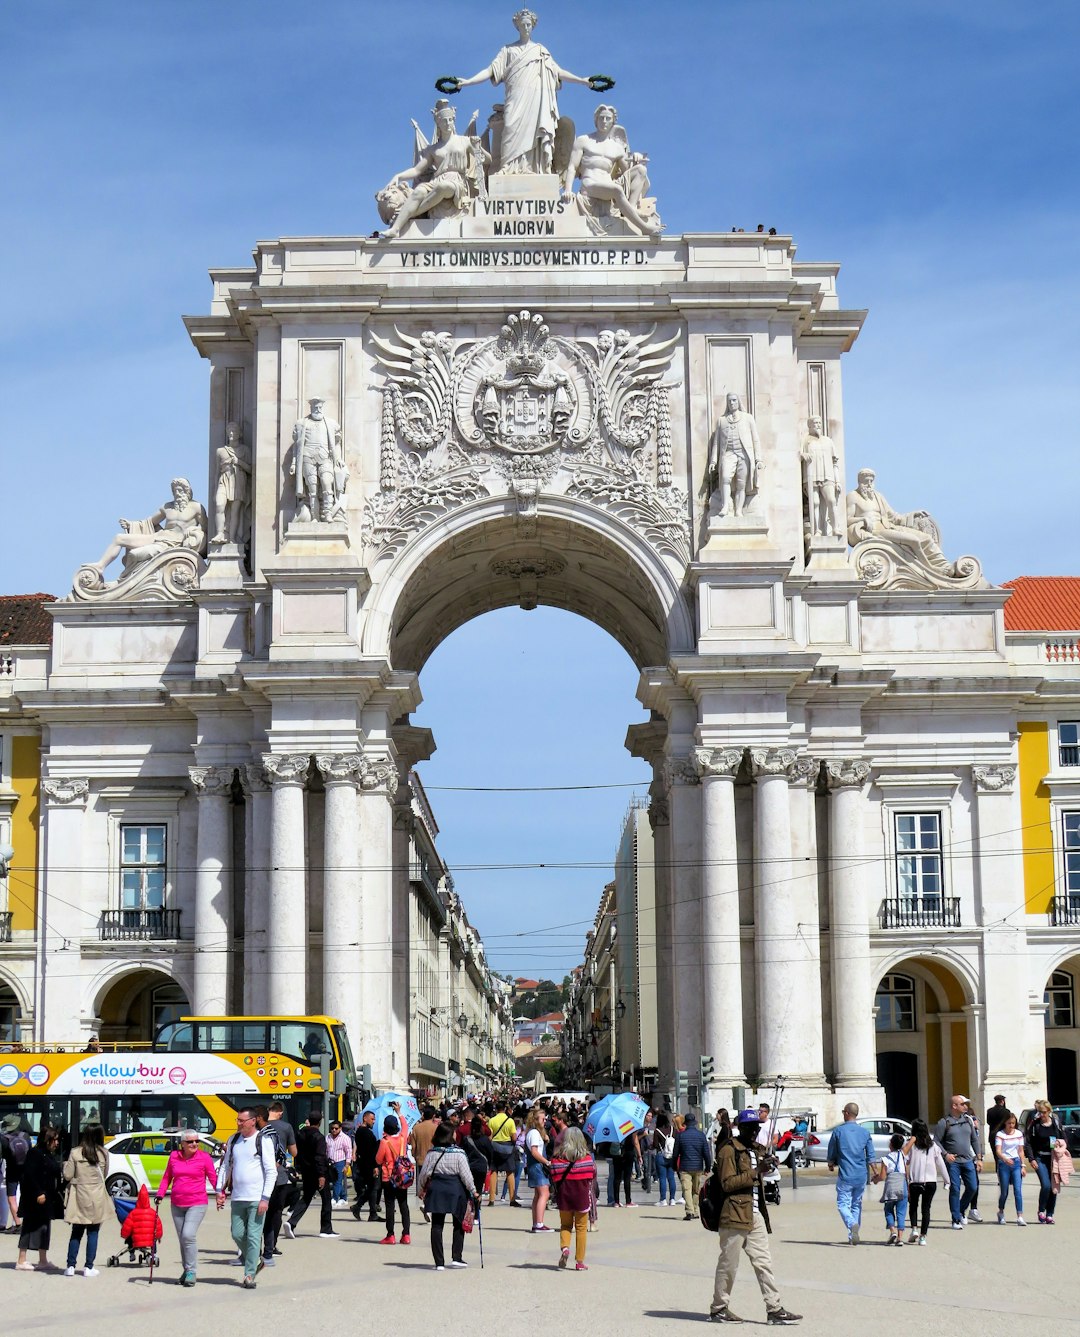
(624, 1156)
(40, 1202)
(366, 1178)
(249, 1171)
(271, 1122)
(573, 1173)
(894, 1194)
(664, 1154)
(995, 1120)
(1044, 1135)
(693, 1156)
(1009, 1155)
(926, 1169)
(398, 1173)
(446, 1187)
(744, 1223)
(339, 1151)
(87, 1202)
(188, 1171)
(958, 1138)
(314, 1166)
(15, 1145)
(537, 1169)
(502, 1131)
(850, 1152)
(647, 1152)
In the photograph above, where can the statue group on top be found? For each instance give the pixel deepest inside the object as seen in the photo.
(525, 134)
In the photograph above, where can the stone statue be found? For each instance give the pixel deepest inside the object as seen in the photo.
(232, 510)
(894, 551)
(735, 458)
(611, 174)
(318, 465)
(822, 465)
(530, 111)
(180, 523)
(449, 171)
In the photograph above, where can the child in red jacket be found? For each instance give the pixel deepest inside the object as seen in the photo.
(143, 1228)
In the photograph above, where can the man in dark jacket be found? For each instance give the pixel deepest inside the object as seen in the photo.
(314, 1166)
(366, 1179)
(693, 1156)
(995, 1119)
(744, 1222)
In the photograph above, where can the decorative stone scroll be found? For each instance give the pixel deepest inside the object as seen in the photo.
(994, 779)
(902, 552)
(212, 781)
(286, 768)
(378, 775)
(722, 761)
(340, 767)
(846, 773)
(681, 771)
(66, 790)
(590, 418)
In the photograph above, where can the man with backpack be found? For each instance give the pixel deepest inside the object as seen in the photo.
(272, 1123)
(314, 1166)
(249, 1170)
(734, 1197)
(14, 1147)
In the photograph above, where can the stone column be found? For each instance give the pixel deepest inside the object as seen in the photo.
(287, 924)
(852, 988)
(685, 885)
(69, 898)
(660, 821)
(383, 1037)
(213, 888)
(256, 887)
(342, 945)
(809, 1068)
(776, 996)
(720, 931)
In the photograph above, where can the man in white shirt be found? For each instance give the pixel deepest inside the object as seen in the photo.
(249, 1168)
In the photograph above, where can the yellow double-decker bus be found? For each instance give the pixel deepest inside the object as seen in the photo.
(195, 1073)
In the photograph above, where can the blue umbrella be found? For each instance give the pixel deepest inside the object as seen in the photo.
(615, 1117)
(380, 1106)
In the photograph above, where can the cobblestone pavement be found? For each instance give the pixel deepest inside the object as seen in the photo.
(647, 1268)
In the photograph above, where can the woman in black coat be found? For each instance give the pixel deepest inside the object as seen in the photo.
(446, 1186)
(40, 1201)
(480, 1153)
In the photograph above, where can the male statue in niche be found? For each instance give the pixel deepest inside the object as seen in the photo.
(318, 465)
(822, 464)
(735, 458)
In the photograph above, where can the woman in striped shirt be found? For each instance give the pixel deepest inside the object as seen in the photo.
(572, 1173)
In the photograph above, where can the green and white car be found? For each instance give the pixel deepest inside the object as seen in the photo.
(136, 1159)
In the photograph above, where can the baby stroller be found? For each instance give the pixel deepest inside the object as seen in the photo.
(141, 1256)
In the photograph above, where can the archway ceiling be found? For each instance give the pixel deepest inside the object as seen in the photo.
(563, 565)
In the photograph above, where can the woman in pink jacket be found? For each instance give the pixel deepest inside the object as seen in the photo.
(189, 1171)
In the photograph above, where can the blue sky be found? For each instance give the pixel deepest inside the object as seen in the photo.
(925, 146)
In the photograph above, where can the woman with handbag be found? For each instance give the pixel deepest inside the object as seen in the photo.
(894, 1195)
(664, 1147)
(447, 1188)
(395, 1165)
(40, 1202)
(573, 1173)
(926, 1169)
(87, 1203)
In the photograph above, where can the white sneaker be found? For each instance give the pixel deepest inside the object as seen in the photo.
(1020, 1221)
(662, 1203)
(90, 1272)
(288, 1231)
(973, 1215)
(922, 1239)
(458, 1262)
(69, 1271)
(958, 1225)
(329, 1235)
(855, 1233)
(679, 1201)
(1001, 1218)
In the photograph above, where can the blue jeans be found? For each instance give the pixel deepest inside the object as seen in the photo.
(340, 1193)
(665, 1178)
(961, 1172)
(849, 1201)
(1010, 1174)
(77, 1232)
(1047, 1196)
(896, 1214)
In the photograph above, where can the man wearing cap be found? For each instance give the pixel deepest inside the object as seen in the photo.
(318, 465)
(958, 1139)
(995, 1119)
(851, 1149)
(744, 1222)
(693, 1156)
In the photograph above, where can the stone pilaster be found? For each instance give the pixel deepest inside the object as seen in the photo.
(342, 938)
(287, 924)
(257, 826)
(213, 888)
(383, 1035)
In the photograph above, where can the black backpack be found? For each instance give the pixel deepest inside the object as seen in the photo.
(18, 1145)
(711, 1201)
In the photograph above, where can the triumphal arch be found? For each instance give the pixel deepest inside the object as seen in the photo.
(526, 386)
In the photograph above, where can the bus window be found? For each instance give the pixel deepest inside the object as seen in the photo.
(151, 1113)
(214, 1038)
(304, 1040)
(175, 1036)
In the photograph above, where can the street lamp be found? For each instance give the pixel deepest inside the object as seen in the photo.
(7, 853)
(463, 1023)
(620, 1009)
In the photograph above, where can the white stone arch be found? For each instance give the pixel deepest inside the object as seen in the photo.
(965, 971)
(1045, 965)
(19, 989)
(100, 985)
(582, 559)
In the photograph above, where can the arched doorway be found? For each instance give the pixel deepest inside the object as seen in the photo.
(132, 1007)
(924, 1037)
(1063, 1034)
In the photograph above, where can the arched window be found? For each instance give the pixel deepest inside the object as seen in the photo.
(1060, 1007)
(168, 1003)
(895, 1003)
(9, 1016)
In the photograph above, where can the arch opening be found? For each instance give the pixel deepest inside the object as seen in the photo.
(133, 1006)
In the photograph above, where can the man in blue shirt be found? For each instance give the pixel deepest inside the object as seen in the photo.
(851, 1149)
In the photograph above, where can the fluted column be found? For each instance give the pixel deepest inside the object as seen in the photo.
(685, 855)
(849, 927)
(287, 924)
(660, 821)
(720, 931)
(383, 1035)
(342, 944)
(808, 1067)
(257, 825)
(213, 888)
(775, 995)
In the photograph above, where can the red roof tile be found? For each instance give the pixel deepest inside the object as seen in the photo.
(1043, 603)
(24, 621)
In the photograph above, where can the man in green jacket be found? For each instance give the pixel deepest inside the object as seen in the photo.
(744, 1222)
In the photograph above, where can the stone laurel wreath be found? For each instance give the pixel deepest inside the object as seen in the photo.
(435, 441)
(449, 84)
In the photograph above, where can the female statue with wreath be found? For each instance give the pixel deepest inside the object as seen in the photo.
(449, 170)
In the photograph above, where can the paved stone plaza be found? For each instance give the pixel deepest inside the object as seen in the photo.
(649, 1271)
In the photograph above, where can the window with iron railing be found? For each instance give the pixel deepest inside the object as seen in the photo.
(142, 870)
(1069, 743)
(919, 874)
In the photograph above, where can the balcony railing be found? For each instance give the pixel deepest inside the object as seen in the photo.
(139, 925)
(419, 873)
(1065, 910)
(5, 926)
(920, 912)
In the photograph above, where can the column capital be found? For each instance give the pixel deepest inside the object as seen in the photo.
(340, 768)
(680, 771)
(993, 779)
(846, 772)
(253, 778)
(659, 812)
(66, 791)
(723, 762)
(212, 781)
(806, 772)
(378, 775)
(286, 768)
(766, 761)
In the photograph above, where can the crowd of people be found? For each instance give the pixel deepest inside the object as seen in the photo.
(457, 1160)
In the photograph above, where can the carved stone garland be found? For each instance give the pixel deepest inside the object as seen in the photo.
(525, 405)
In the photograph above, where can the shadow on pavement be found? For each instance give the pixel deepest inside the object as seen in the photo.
(687, 1315)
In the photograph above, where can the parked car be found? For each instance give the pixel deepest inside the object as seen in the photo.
(136, 1159)
(880, 1129)
(1069, 1117)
